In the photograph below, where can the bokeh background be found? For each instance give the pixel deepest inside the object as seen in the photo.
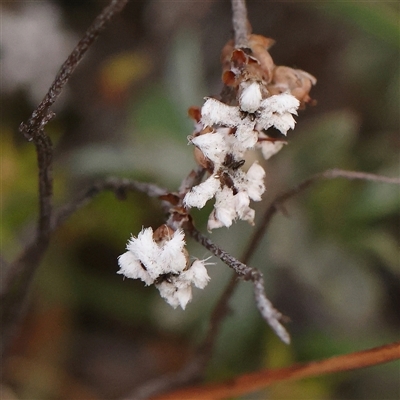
(331, 264)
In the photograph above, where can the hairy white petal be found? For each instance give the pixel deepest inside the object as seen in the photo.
(172, 257)
(277, 111)
(175, 293)
(283, 122)
(256, 172)
(199, 273)
(147, 251)
(250, 98)
(243, 210)
(242, 202)
(215, 112)
(225, 215)
(213, 145)
(200, 194)
(224, 206)
(246, 214)
(255, 184)
(184, 295)
(213, 222)
(246, 135)
(269, 149)
(196, 274)
(281, 103)
(130, 267)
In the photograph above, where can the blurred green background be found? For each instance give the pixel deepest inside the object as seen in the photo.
(331, 265)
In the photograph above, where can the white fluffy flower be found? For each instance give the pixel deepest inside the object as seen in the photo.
(274, 111)
(230, 206)
(213, 145)
(165, 263)
(216, 112)
(255, 181)
(224, 207)
(246, 136)
(269, 149)
(177, 290)
(244, 212)
(235, 130)
(147, 260)
(200, 194)
(277, 111)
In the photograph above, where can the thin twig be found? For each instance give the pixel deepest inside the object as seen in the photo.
(40, 117)
(120, 186)
(240, 23)
(268, 312)
(329, 174)
(194, 370)
(190, 374)
(20, 273)
(221, 308)
(259, 380)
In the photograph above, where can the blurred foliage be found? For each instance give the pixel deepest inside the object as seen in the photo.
(331, 265)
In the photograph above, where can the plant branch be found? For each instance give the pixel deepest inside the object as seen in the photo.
(41, 116)
(329, 174)
(15, 285)
(240, 23)
(221, 308)
(259, 380)
(120, 186)
(267, 310)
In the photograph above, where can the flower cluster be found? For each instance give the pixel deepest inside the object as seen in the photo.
(160, 258)
(262, 96)
(257, 96)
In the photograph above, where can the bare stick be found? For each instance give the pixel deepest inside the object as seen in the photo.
(20, 273)
(259, 380)
(240, 23)
(329, 174)
(268, 312)
(194, 369)
(120, 186)
(40, 117)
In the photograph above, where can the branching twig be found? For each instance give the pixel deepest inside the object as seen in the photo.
(195, 369)
(41, 116)
(221, 308)
(259, 380)
(329, 174)
(20, 273)
(120, 186)
(268, 312)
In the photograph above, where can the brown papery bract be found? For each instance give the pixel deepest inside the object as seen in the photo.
(255, 63)
(296, 81)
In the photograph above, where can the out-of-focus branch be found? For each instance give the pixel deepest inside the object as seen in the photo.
(240, 23)
(277, 203)
(195, 368)
(259, 380)
(41, 116)
(15, 284)
(221, 308)
(267, 310)
(120, 186)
